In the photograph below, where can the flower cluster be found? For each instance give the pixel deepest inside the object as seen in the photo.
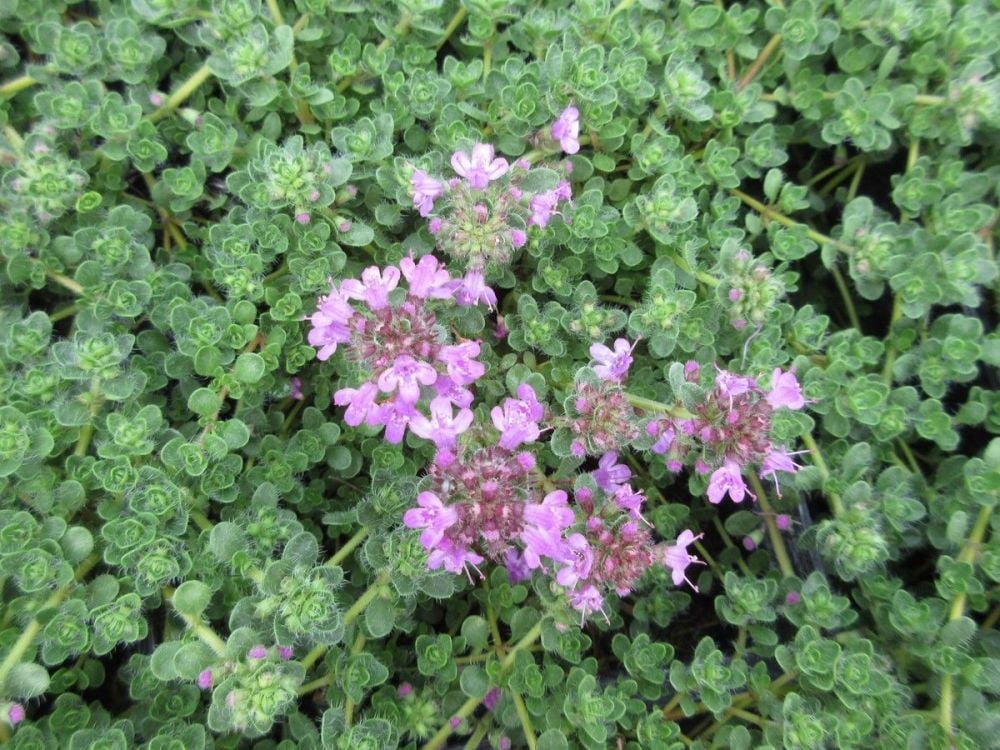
(483, 214)
(729, 430)
(397, 340)
(484, 501)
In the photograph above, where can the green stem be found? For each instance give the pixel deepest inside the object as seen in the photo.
(773, 533)
(23, 643)
(16, 85)
(65, 281)
(967, 555)
(641, 402)
(756, 65)
(836, 504)
(769, 213)
(619, 300)
(522, 709)
(201, 629)
(728, 541)
(348, 547)
(890, 350)
(350, 616)
(87, 431)
(316, 684)
(845, 294)
(477, 736)
(452, 27)
(64, 313)
(471, 704)
(272, 6)
(181, 95)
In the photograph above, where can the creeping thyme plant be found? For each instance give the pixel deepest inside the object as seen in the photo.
(499, 374)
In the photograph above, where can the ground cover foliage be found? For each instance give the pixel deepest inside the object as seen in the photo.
(666, 337)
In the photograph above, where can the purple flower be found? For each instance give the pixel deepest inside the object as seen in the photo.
(404, 689)
(491, 699)
(517, 568)
(473, 290)
(785, 391)
(442, 428)
(360, 402)
(15, 714)
(610, 475)
(580, 557)
(727, 479)
(730, 385)
(552, 514)
(407, 374)
(374, 287)
(518, 418)
(329, 323)
(434, 225)
(453, 558)
(425, 190)
(587, 600)
(285, 652)
(396, 416)
(432, 516)
(566, 130)
(783, 521)
(295, 389)
(257, 653)
(428, 279)
(205, 679)
(459, 396)
(612, 365)
(455, 721)
(676, 557)
(543, 207)
(631, 500)
(479, 167)
(777, 460)
(303, 217)
(792, 598)
(460, 360)
(518, 237)
(541, 542)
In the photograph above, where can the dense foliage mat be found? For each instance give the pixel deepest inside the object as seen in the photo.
(666, 337)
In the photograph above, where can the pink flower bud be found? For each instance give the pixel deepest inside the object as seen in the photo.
(792, 598)
(15, 714)
(735, 295)
(526, 461)
(739, 325)
(434, 225)
(205, 679)
(314, 196)
(674, 466)
(404, 689)
(518, 237)
(584, 495)
(303, 217)
(505, 743)
(749, 544)
(491, 699)
(285, 652)
(344, 226)
(257, 653)
(783, 521)
(481, 212)
(156, 99)
(455, 722)
(577, 449)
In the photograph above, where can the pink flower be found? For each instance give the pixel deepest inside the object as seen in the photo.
(727, 479)
(460, 360)
(285, 652)
(491, 699)
(517, 569)
(785, 390)
(586, 601)
(518, 418)
(425, 189)
(396, 416)
(330, 323)
(777, 460)
(374, 287)
(15, 714)
(631, 500)
(580, 557)
(792, 598)
(540, 542)
(518, 237)
(407, 374)
(453, 558)
(257, 653)
(434, 225)
(676, 557)
(428, 279)
(404, 689)
(459, 396)
(295, 389)
(552, 514)
(543, 205)
(730, 385)
(479, 167)
(566, 130)
(432, 516)
(303, 217)
(205, 679)
(360, 402)
(473, 290)
(612, 365)
(610, 475)
(442, 428)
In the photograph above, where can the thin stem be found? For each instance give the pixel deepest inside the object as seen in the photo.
(452, 27)
(350, 616)
(16, 85)
(756, 65)
(773, 533)
(836, 504)
(471, 704)
(33, 628)
(728, 541)
(64, 313)
(769, 213)
(890, 350)
(181, 95)
(348, 547)
(967, 555)
(316, 684)
(201, 629)
(272, 6)
(845, 293)
(87, 431)
(65, 282)
(641, 402)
